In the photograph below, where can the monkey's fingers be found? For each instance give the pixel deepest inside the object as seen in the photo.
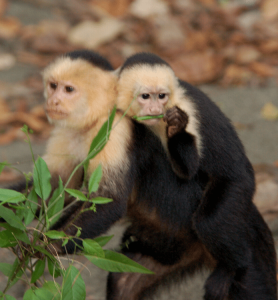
(172, 130)
(177, 120)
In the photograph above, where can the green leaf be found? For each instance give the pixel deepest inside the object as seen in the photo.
(93, 248)
(44, 294)
(30, 295)
(147, 117)
(103, 240)
(101, 138)
(24, 128)
(41, 177)
(116, 262)
(65, 242)
(6, 269)
(8, 297)
(17, 234)
(53, 268)
(39, 269)
(56, 203)
(77, 194)
(10, 196)
(73, 285)
(54, 234)
(9, 216)
(95, 179)
(54, 288)
(7, 239)
(16, 264)
(30, 207)
(101, 200)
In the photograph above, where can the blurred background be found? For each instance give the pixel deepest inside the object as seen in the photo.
(228, 48)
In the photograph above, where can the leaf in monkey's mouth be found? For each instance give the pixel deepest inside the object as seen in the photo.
(147, 117)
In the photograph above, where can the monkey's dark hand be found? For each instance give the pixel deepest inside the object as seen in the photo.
(176, 120)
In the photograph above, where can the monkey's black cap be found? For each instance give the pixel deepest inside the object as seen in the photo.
(144, 58)
(92, 57)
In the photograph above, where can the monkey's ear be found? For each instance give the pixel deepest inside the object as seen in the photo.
(117, 72)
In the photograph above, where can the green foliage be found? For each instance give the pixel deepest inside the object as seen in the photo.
(41, 177)
(95, 179)
(56, 204)
(73, 285)
(27, 242)
(116, 262)
(148, 117)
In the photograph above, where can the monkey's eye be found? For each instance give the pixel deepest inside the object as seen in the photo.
(69, 89)
(161, 96)
(53, 85)
(145, 96)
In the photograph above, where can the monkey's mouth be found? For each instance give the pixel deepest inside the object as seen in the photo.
(56, 114)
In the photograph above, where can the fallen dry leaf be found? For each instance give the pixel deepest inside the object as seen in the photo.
(39, 112)
(246, 54)
(167, 34)
(4, 108)
(270, 112)
(7, 61)
(115, 8)
(269, 9)
(91, 34)
(235, 74)
(21, 105)
(50, 44)
(9, 27)
(3, 6)
(198, 68)
(262, 69)
(208, 2)
(32, 121)
(242, 126)
(269, 47)
(33, 58)
(9, 136)
(145, 8)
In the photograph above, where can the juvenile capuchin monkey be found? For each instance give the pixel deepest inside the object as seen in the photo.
(203, 147)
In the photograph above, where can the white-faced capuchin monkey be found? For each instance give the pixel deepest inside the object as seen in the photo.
(204, 148)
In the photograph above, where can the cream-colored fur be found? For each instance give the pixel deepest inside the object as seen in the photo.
(71, 138)
(134, 80)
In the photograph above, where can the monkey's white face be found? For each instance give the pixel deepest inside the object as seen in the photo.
(152, 102)
(62, 97)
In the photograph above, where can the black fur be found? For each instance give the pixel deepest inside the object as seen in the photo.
(224, 219)
(92, 57)
(146, 58)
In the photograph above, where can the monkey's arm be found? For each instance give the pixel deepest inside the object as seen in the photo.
(181, 144)
(92, 223)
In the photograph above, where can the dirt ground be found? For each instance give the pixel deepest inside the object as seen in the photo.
(243, 105)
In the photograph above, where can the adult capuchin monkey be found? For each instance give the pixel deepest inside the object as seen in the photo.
(203, 147)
